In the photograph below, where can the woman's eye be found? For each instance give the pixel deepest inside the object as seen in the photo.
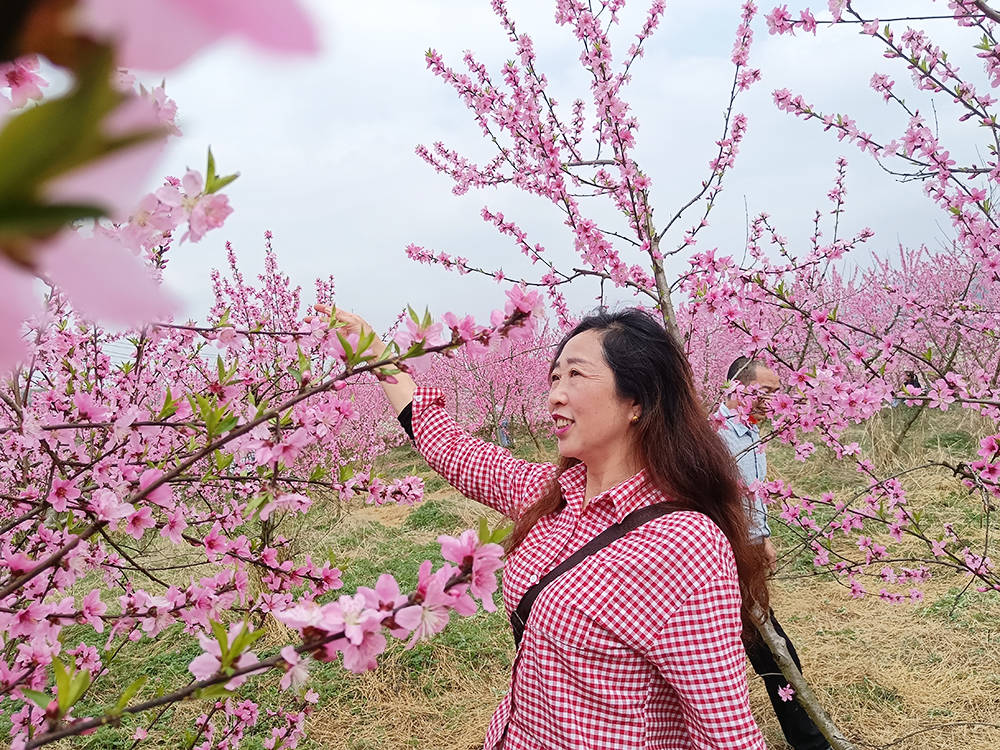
(553, 378)
(574, 372)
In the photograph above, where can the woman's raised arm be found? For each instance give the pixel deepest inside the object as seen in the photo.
(478, 469)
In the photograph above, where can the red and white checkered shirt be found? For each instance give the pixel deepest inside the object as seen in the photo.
(636, 647)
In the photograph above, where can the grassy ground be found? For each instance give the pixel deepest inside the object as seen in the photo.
(911, 677)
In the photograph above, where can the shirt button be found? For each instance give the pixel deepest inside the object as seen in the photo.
(533, 579)
(418, 399)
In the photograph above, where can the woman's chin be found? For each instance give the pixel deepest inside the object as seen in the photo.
(566, 451)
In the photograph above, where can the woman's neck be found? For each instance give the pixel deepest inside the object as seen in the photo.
(603, 475)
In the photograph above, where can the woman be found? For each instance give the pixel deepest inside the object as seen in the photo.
(638, 645)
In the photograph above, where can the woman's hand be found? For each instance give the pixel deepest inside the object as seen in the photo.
(399, 389)
(351, 323)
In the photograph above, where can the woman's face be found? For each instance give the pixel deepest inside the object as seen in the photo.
(591, 420)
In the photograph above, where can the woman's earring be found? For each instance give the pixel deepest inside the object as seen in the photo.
(634, 419)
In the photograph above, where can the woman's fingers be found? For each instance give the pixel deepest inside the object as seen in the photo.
(321, 309)
(353, 323)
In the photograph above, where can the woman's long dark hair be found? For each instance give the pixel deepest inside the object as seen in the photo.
(682, 454)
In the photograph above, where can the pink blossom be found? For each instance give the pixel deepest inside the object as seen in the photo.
(162, 495)
(137, 523)
(432, 614)
(88, 407)
(786, 693)
(779, 21)
(989, 446)
(63, 491)
(288, 501)
(210, 212)
(17, 305)
(296, 670)
(465, 328)
(352, 616)
(414, 332)
(361, 657)
(22, 78)
(103, 280)
(162, 34)
(175, 525)
(107, 506)
(520, 299)
(483, 559)
(208, 663)
(215, 542)
(91, 610)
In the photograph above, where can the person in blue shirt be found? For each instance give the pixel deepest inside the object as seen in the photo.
(742, 436)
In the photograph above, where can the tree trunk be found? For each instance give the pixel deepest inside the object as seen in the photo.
(663, 292)
(531, 432)
(803, 693)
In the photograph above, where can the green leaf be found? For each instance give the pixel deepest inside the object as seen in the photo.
(64, 133)
(416, 349)
(246, 639)
(223, 461)
(214, 183)
(484, 530)
(256, 502)
(345, 472)
(39, 698)
(213, 692)
(31, 218)
(130, 693)
(222, 637)
(62, 685)
(319, 473)
(501, 533)
(78, 686)
(210, 169)
(350, 357)
(365, 342)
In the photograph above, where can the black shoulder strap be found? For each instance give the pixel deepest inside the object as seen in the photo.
(635, 519)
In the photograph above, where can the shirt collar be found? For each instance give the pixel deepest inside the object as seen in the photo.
(633, 493)
(734, 422)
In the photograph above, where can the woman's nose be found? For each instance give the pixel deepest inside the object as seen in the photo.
(556, 395)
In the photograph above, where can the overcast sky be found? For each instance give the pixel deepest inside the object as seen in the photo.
(325, 145)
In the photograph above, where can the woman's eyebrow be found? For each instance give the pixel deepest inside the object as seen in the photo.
(570, 361)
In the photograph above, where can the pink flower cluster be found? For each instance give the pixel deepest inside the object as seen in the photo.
(353, 626)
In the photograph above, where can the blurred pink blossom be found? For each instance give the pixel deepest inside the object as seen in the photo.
(22, 78)
(162, 34)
